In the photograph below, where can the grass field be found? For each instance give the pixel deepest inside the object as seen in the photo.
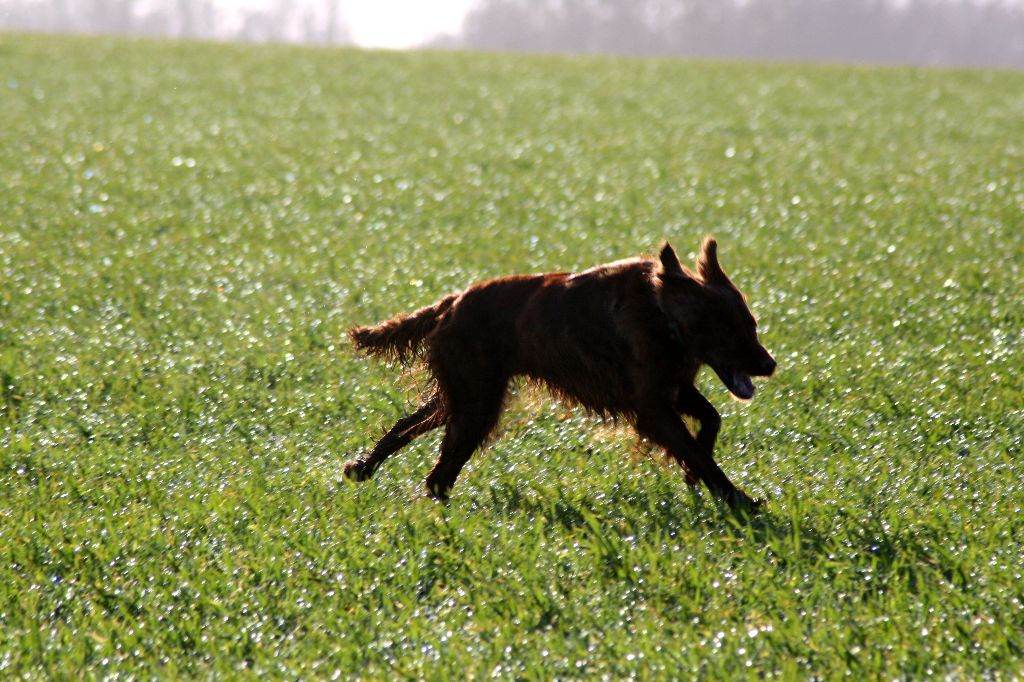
(186, 232)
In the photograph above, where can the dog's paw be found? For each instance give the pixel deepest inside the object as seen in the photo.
(358, 470)
(439, 501)
(741, 502)
(437, 493)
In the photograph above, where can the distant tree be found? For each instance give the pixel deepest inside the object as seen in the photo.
(311, 20)
(333, 31)
(186, 17)
(59, 9)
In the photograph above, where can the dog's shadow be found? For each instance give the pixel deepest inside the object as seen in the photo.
(778, 533)
(671, 514)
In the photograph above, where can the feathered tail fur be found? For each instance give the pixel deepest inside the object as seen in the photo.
(402, 336)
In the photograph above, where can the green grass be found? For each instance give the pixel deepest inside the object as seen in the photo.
(186, 232)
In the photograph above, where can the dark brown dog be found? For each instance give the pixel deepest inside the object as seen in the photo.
(624, 339)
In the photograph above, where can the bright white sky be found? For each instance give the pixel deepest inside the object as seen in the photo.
(385, 23)
(402, 23)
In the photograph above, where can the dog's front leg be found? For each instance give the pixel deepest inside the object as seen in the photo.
(690, 402)
(661, 424)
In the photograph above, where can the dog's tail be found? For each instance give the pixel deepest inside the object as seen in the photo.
(401, 336)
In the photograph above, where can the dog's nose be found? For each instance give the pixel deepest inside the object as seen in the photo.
(768, 366)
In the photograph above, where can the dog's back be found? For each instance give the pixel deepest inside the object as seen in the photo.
(578, 333)
(583, 335)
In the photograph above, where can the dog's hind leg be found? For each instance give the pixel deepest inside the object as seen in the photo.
(425, 419)
(472, 413)
(463, 437)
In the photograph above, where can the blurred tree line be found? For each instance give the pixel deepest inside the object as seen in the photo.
(955, 32)
(961, 32)
(313, 21)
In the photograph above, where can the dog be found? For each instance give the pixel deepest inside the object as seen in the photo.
(624, 340)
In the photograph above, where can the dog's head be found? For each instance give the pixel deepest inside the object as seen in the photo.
(711, 316)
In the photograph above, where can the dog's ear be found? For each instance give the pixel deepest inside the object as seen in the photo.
(707, 262)
(670, 265)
